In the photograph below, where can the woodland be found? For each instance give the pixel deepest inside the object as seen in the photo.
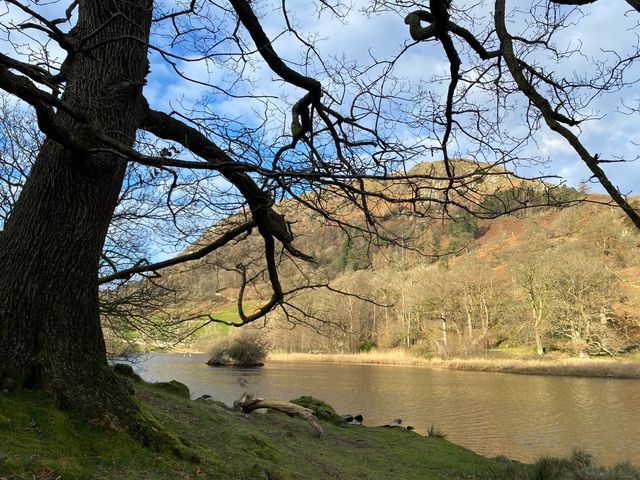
(543, 280)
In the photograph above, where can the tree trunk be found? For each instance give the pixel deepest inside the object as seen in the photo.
(539, 346)
(249, 403)
(445, 344)
(537, 330)
(50, 332)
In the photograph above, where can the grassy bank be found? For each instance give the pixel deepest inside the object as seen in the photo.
(39, 442)
(581, 367)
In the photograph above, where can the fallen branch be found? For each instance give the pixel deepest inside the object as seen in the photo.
(249, 403)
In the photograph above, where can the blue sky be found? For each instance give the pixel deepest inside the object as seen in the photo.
(599, 30)
(602, 27)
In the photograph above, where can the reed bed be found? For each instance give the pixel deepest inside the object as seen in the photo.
(577, 367)
(382, 357)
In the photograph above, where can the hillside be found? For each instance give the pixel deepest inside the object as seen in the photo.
(442, 282)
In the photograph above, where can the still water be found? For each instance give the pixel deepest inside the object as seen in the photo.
(520, 416)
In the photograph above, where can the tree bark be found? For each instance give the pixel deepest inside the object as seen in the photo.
(248, 403)
(538, 339)
(445, 344)
(50, 332)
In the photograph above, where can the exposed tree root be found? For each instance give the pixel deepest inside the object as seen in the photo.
(141, 424)
(146, 429)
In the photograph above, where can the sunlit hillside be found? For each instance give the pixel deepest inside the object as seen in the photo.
(437, 281)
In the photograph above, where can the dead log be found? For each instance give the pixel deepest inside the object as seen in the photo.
(249, 403)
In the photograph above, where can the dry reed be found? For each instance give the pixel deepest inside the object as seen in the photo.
(578, 367)
(381, 357)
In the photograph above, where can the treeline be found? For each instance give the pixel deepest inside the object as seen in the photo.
(547, 280)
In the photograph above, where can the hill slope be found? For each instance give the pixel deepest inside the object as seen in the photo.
(442, 282)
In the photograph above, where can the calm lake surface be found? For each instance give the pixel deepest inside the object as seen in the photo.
(520, 416)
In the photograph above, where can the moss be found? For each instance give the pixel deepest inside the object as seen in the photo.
(322, 410)
(126, 371)
(174, 387)
(39, 439)
(151, 434)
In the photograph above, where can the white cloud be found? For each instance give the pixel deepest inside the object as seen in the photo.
(603, 27)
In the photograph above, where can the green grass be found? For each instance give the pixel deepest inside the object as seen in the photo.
(227, 313)
(38, 441)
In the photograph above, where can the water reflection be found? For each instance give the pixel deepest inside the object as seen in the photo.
(520, 416)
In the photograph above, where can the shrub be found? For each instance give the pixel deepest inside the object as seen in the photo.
(367, 345)
(579, 466)
(249, 349)
(505, 201)
(462, 225)
(435, 432)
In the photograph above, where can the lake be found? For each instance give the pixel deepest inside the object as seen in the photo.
(520, 416)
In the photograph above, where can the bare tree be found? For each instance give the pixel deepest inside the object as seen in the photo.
(516, 56)
(20, 140)
(85, 84)
(82, 67)
(535, 279)
(586, 290)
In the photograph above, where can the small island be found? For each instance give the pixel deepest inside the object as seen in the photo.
(248, 349)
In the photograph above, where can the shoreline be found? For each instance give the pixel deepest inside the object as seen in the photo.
(570, 367)
(43, 441)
